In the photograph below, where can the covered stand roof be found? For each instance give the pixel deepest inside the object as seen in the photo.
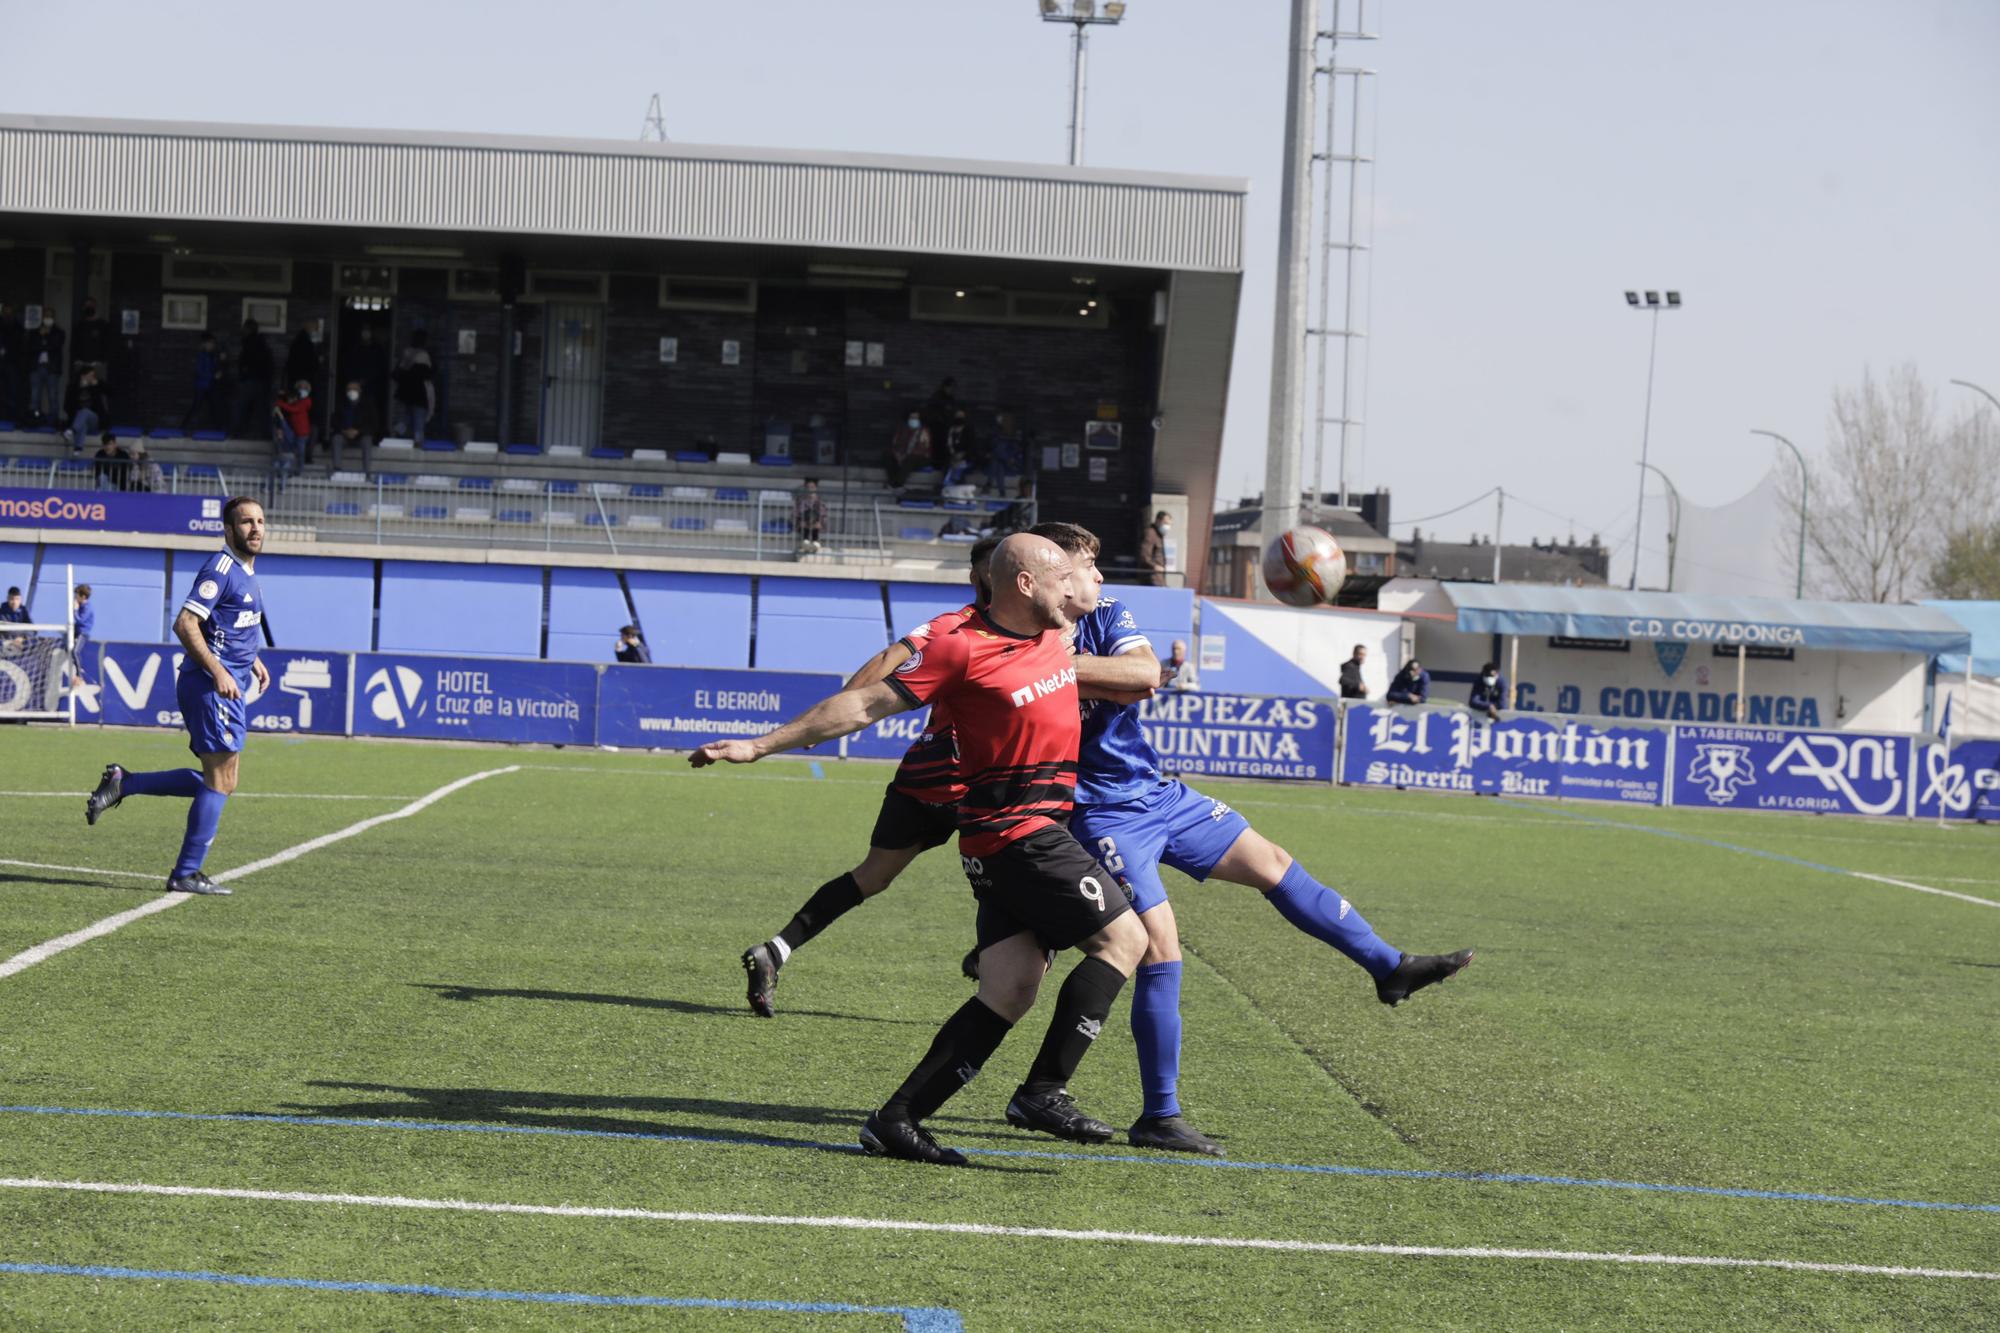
(1610, 613)
(1982, 619)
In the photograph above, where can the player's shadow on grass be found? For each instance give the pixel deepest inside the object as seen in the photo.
(14, 877)
(584, 1112)
(470, 993)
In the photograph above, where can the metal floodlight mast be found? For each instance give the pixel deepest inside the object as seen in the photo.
(1652, 307)
(1805, 488)
(1081, 15)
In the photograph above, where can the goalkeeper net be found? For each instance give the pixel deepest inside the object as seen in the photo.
(34, 670)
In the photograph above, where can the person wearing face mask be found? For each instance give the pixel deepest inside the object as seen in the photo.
(349, 428)
(45, 363)
(292, 414)
(1489, 692)
(1153, 550)
(88, 407)
(1412, 684)
(909, 450)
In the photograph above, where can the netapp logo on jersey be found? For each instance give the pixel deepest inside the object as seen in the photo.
(1041, 689)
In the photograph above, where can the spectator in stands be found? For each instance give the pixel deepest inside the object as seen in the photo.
(366, 362)
(302, 357)
(83, 621)
(1412, 684)
(92, 344)
(292, 416)
(111, 466)
(809, 518)
(1184, 677)
(632, 647)
(349, 428)
(940, 407)
(13, 375)
(1021, 514)
(1489, 692)
(963, 446)
(14, 612)
(1153, 550)
(1352, 686)
(146, 474)
(87, 405)
(45, 363)
(416, 389)
(207, 400)
(253, 383)
(909, 450)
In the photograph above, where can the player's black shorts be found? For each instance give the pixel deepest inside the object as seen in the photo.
(1046, 883)
(906, 821)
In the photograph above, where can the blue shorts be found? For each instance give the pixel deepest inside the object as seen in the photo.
(1172, 824)
(214, 724)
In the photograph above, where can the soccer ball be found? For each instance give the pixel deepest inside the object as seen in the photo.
(1304, 566)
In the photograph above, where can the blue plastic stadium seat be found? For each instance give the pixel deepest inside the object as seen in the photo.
(74, 465)
(166, 469)
(995, 506)
(777, 525)
(964, 538)
(688, 523)
(966, 505)
(606, 451)
(475, 483)
(913, 502)
(439, 446)
(646, 491)
(430, 511)
(528, 450)
(732, 493)
(393, 478)
(774, 460)
(593, 519)
(165, 433)
(128, 432)
(6, 425)
(210, 436)
(515, 516)
(692, 456)
(563, 488)
(41, 430)
(344, 509)
(918, 534)
(207, 471)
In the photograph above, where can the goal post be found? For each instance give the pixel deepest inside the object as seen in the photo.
(38, 666)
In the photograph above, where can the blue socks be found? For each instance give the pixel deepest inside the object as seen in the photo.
(181, 782)
(1326, 916)
(204, 817)
(1156, 1024)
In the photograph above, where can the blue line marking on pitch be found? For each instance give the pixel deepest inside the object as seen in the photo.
(1199, 1163)
(916, 1319)
(817, 771)
(1679, 836)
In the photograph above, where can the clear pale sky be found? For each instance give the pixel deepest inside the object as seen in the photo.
(1820, 177)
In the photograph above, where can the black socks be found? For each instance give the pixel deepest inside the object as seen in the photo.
(1081, 1008)
(962, 1045)
(828, 903)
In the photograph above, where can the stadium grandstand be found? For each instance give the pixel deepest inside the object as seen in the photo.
(639, 352)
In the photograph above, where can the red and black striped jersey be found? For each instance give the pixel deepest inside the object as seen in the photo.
(929, 771)
(1015, 718)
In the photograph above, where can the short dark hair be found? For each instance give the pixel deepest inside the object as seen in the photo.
(13, 592)
(1160, 515)
(235, 503)
(1069, 536)
(632, 630)
(83, 590)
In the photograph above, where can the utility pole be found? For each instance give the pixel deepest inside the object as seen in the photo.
(1284, 443)
(655, 128)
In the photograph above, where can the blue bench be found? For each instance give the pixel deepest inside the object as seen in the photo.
(393, 478)
(739, 493)
(688, 523)
(475, 483)
(210, 436)
(525, 450)
(692, 456)
(439, 446)
(646, 491)
(563, 488)
(774, 460)
(515, 516)
(918, 535)
(606, 451)
(128, 432)
(430, 511)
(778, 525)
(912, 502)
(344, 509)
(165, 433)
(594, 519)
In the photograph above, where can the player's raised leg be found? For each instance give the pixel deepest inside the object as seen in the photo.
(1256, 861)
(831, 901)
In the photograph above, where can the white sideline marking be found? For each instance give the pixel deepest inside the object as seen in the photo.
(986, 1229)
(82, 870)
(244, 795)
(1924, 888)
(50, 948)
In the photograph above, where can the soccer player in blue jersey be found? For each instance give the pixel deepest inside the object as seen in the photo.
(220, 627)
(1133, 818)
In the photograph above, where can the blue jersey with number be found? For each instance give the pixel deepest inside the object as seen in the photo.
(1117, 762)
(230, 606)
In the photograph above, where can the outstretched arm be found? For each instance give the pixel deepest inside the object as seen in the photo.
(834, 716)
(1130, 671)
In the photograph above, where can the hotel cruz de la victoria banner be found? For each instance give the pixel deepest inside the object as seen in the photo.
(1288, 738)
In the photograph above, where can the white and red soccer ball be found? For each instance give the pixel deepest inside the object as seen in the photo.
(1304, 566)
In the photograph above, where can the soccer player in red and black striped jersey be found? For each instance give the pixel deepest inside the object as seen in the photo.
(1007, 676)
(919, 809)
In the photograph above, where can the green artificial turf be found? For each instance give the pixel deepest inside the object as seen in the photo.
(555, 948)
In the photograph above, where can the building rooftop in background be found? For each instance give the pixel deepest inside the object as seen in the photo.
(1361, 528)
(1572, 563)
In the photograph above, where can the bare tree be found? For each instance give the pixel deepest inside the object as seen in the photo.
(1893, 484)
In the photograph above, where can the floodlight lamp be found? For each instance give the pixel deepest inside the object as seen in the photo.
(1674, 299)
(1652, 298)
(1631, 298)
(1083, 9)
(959, 292)
(1115, 10)
(1050, 9)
